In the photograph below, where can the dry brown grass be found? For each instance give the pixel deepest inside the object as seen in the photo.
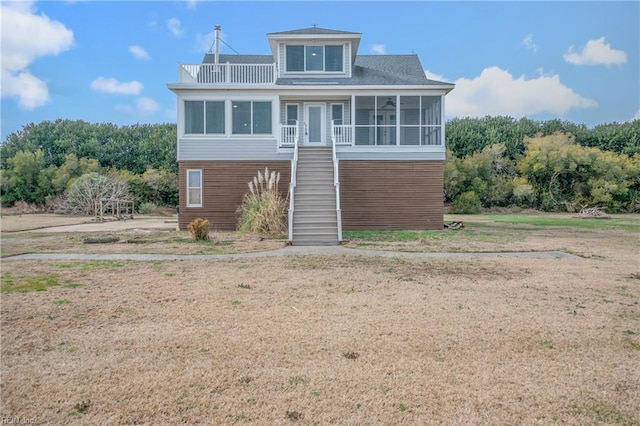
(49, 233)
(329, 340)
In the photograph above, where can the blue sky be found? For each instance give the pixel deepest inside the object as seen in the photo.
(110, 61)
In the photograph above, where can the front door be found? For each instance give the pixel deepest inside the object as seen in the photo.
(314, 124)
(386, 128)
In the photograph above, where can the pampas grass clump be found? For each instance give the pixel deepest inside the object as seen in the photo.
(263, 209)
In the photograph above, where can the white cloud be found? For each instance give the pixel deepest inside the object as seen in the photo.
(113, 86)
(146, 106)
(596, 52)
(30, 90)
(27, 36)
(496, 92)
(529, 44)
(138, 52)
(204, 42)
(143, 107)
(174, 26)
(378, 48)
(433, 76)
(636, 116)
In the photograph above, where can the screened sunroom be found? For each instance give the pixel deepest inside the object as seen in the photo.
(398, 120)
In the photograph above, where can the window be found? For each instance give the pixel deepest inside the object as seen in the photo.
(315, 58)
(194, 188)
(333, 58)
(292, 114)
(214, 112)
(251, 117)
(194, 117)
(295, 58)
(337, 116)
(202, 117)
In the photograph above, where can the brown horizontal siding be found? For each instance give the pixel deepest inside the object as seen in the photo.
(224, 183)
(400, 195)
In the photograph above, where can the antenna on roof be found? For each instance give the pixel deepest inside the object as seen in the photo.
(217, 33)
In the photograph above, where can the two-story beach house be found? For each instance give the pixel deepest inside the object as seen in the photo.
(358, 139)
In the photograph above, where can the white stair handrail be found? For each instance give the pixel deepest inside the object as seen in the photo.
(292, 184)
(336, 180)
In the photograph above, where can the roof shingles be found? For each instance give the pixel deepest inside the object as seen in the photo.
(312, 30)
(368, 70)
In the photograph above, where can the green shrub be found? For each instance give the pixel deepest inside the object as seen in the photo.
(146, 207)
(263, 210)
(199, 228)
(467, 203)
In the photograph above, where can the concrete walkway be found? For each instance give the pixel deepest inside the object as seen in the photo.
(289, 251)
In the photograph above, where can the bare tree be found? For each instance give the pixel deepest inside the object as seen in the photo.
(86, 192)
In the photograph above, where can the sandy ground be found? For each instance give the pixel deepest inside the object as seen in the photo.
(66, 224)
(319, 339)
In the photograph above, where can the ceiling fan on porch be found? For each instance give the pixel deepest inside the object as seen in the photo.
(389, 103)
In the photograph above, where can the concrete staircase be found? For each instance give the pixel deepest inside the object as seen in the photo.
(314, 214)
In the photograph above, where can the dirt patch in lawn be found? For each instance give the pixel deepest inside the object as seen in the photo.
(26, 222)
(328, 339)
(46, 233)
(56, 223)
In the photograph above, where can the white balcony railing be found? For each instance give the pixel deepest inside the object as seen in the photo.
(227, 73)
(342, 134)
(426, 136)
(288, 134)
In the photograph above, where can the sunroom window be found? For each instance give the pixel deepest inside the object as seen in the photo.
(314, 58)
(204, 117)
(251, 117)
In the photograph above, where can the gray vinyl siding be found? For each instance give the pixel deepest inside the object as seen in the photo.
(231, 149)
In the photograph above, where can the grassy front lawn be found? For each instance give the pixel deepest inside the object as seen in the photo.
(335, 339)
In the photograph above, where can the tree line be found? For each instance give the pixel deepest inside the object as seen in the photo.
(41, 163)
(546, 165)
(551, 165)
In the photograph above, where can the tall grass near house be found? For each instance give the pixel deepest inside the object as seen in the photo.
(263, 209)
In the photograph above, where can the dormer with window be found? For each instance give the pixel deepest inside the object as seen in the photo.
(314, 52)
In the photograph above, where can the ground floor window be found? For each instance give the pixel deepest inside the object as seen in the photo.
(194, 188)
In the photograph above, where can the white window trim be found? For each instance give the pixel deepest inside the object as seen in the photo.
(228, 126)
(286, 111)
(343, 108)
(189, 203)
(304, 59)
(204, 103)
(251, 135)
